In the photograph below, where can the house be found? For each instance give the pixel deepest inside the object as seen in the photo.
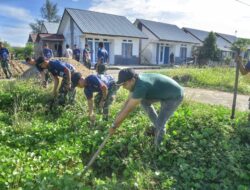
(54, 42)
(223, 41)
(120, 37)
(164, 39)
(47, 36)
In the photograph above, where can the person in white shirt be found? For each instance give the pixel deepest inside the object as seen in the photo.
(68, 52)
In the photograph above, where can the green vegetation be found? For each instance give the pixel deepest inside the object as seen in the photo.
(218, 78)
(46, 149)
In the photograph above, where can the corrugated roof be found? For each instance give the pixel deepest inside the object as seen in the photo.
(51, 27)
(50, 37)
(168, 32)
(228, 37)
(104, 24)
(221, 43)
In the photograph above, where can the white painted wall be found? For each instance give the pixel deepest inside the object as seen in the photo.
(80, 39)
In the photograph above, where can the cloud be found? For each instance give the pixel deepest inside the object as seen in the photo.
(15, 35)
(223, 16)
(16, 13)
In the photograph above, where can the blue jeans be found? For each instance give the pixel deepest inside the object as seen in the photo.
(167, 109)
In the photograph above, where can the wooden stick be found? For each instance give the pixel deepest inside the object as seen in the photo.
(95, 155)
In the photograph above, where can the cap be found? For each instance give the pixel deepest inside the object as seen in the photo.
(125, 75)
(75, 79)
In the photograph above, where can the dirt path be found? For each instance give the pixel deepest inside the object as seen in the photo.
(216, 98)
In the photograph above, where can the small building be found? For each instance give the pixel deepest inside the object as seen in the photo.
(163, 40)
(120, 37)
(54, 42)
(223, 41)
(48, 36)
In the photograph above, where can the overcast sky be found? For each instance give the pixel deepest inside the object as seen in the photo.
(224, 16)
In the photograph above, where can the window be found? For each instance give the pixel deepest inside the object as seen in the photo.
(127, 49)
(183, 53)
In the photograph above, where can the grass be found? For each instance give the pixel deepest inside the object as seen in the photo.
(41, 149)
(218, 78)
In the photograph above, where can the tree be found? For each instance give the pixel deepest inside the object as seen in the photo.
(48, 13)
(209, 50)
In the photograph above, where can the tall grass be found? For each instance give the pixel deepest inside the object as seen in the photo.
(218, 78)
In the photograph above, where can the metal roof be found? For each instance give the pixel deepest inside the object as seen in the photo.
(51, 27)
(221, 42)
(227, 37)
(104, 24)
(50, 37)
(167, 32)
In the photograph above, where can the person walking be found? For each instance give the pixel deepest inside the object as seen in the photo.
(146, 89)
(4, 59)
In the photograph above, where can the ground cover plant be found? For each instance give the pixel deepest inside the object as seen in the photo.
(47, 149)
(218, 78)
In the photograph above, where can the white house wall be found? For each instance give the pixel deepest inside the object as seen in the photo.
(149, 47)
(80, 38)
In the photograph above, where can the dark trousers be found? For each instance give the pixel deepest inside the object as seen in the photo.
(6, 68)
(109, 99)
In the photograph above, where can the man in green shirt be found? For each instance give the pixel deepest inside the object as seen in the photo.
(145, 89)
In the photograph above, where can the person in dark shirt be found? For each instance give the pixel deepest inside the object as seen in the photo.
(102, 55)
(59, 69)
(76, 53)
(4, 59)
(47, 52)
(104, 87)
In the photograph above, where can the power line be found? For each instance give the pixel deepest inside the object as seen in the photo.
(244, 3)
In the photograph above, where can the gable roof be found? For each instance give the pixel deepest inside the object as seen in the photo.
(229, 38)
(32, 38)
(223, 41)
(91, 22)
(167, 32)
(51, 27)
(50, 37)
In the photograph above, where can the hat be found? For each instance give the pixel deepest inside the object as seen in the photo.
(39, 61)
(125, 75)
(75, 79)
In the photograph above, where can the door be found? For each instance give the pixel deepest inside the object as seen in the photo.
(163, 55)
(166, 55)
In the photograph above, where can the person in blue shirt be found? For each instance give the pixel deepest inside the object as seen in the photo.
(76, 53)
(59, 69)
(4, 59)
(47, 52)
(102, 55)
(105, 88)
